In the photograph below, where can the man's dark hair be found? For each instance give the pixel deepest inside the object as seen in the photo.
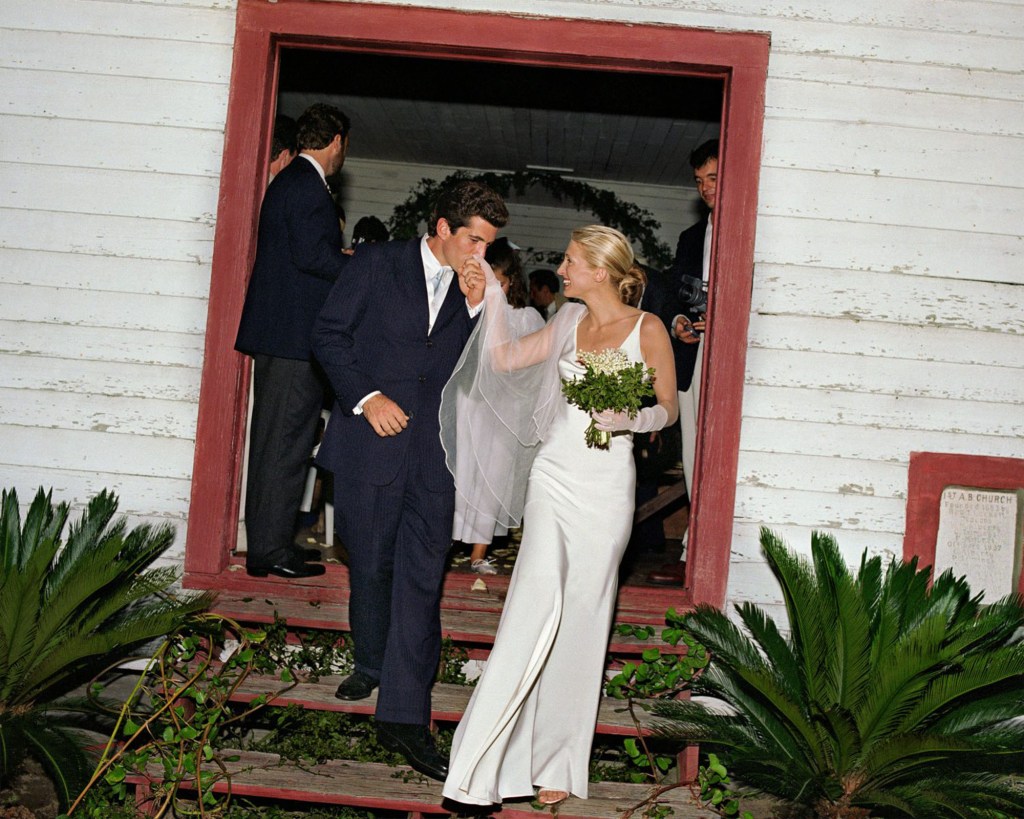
(464, 200)
(542, 277)
(285, 136)
(369, 229)
(703, 152)
(319, 124)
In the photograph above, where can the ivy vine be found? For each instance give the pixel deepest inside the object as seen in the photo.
(635, 222)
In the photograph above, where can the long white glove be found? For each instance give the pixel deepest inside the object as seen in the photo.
(647, 419)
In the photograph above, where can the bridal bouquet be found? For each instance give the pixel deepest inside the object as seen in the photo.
(612, 382)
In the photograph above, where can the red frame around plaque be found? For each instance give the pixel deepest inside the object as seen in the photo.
(930, 474)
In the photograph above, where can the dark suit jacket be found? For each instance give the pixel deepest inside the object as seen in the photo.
(689, 261)
(298, 258)
(372, 335)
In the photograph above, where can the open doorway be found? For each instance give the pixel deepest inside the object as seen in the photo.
(594, 73)
(596, 145)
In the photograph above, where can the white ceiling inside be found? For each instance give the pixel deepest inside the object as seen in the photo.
(601, 125)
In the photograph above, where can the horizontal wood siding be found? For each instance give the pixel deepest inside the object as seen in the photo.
(886, 311)
(110, 148)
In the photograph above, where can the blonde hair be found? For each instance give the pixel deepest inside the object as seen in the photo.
(607, 248)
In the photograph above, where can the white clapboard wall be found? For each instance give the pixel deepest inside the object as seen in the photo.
(111, 134)
(887, 309)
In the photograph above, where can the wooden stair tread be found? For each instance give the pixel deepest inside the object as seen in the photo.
(448, 702)
(462, 625)
(375, 785)
(635, 603)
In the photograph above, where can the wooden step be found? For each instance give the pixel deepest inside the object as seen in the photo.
(461, 591)
(448, 702)
(462, 625)
(375, 785)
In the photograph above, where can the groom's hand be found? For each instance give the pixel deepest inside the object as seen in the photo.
(472, 281)
(385, 416)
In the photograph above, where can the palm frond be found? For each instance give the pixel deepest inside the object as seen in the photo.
(901, 681)
(150, 621)
(846, 664)
(720, 636)
(994, 672)
(63, 611)
(906, 757)
(82, 538)
(809, 616)
(773, 646)
(839, 738)
(891, 692)
(60, 751)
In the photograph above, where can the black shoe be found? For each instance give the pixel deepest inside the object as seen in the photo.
(310, 555)
(415, 743)
(357, 686)
(287, 568)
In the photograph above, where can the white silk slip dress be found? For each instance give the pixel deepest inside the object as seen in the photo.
(532, 715)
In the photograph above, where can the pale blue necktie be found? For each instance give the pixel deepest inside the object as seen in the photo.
(436, 297)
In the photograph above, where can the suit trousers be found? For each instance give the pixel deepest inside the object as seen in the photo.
(689, 409)
(287, 398)
(397, 537)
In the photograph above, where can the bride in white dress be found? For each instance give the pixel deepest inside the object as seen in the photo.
(531, 720)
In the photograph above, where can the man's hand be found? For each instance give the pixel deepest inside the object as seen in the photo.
(688, 331)
(472, 282)
(385, 416)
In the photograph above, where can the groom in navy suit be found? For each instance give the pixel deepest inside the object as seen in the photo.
(298, 258)
(388, 338)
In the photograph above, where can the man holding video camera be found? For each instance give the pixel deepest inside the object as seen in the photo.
(685, 314)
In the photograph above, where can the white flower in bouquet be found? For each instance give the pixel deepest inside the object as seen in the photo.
(611, 382)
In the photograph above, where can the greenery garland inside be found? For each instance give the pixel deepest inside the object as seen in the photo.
(635, 222)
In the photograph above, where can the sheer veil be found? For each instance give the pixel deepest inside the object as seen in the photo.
(500, 402)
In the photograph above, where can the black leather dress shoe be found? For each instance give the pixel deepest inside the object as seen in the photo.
(415, 743)
(310, 555)
(289, 568)
(357, 686)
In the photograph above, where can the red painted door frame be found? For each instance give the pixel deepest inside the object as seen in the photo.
(739, 59)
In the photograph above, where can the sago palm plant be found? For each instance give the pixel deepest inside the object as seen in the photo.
(66, 609)
(889, 697)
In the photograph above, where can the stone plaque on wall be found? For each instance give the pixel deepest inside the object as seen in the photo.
(980, 537)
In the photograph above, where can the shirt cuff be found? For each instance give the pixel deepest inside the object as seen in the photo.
(359, 407)
(474, 311)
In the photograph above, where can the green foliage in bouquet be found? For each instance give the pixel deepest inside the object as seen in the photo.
(611, 382)
(891, 696)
